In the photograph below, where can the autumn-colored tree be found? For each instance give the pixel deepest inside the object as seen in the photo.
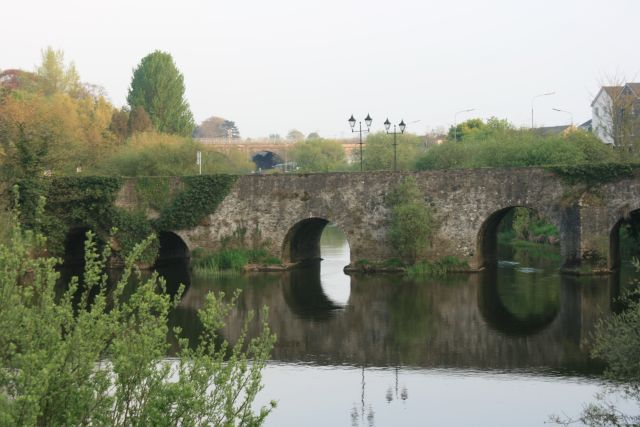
(139, 121)
(210, 128)
(51, 107)
(158, 87)
(120, 124)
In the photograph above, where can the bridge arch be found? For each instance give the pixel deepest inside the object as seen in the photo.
(74, 244)
(172, 249)
(302, 240)
(631, 221)
(266, 159)
(487, 237)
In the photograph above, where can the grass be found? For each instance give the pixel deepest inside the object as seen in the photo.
(437, 268)
(229, 260)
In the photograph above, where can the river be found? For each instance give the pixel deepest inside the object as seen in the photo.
(500, 348)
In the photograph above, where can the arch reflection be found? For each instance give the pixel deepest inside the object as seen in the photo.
(518, 306)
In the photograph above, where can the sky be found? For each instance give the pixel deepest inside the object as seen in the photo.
(272, 66)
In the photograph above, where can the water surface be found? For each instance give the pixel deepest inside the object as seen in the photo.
(501, 348)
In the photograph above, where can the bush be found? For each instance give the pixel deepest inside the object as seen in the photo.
(319, 155)
(617, 343)
(509, 147)
(157, 154)
(378, 151)
(102, 360)
(412, 223)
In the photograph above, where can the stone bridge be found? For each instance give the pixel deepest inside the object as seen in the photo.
(289, 213)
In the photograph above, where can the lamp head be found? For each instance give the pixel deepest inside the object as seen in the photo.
(387, 124)
(402, 126)
(352, 121)
(368, 120)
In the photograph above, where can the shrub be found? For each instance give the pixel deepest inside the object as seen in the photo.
(412, 223)
(510, 147)
(101, 360)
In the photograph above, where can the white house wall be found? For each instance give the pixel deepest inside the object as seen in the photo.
(601, 117)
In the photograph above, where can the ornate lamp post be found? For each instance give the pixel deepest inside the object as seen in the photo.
(402, 126)
(352, 123)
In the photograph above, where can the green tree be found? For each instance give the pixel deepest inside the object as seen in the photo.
(412, 222)
(77, 359)
(319, 155)
(230, 129)
(378, 151)
(295, 135)
(158, 87)
(313, 135)
(464, 129)
(55, 77)
(515, 147)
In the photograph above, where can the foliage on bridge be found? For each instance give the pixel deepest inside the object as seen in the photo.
(595, 173)
(89, 202)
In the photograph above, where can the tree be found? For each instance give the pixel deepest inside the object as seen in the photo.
(412, 223)
(55, 77)
(120, 124)
(230, 130)
(210, 128)
(95, 356)
(313, 135)
(516, 147)
(158, 87)
(465, 128)
(319, 155)
(139, 121)
(378, 151)
(295, 135)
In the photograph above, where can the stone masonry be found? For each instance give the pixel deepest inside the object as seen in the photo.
(290, 211)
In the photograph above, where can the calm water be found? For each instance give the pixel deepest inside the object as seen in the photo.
(501, 348)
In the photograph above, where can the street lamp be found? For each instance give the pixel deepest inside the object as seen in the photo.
(565, 111)
(352, 123)
(533, 99)
(402, 126)
(455, 121)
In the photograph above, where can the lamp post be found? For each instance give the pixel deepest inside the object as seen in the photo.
(402, 126)
(533, 99)
(566, 112)
(455, 121)
(352, 123)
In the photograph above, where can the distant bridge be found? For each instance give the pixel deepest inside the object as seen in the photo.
(279, 147)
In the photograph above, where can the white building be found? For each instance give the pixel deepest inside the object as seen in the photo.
(615, 112)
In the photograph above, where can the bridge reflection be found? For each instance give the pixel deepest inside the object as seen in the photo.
(463, 321)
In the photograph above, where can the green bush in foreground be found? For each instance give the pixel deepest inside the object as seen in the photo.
(617, 343)
(101, 360)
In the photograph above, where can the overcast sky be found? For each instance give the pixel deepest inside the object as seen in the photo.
(280, 64)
